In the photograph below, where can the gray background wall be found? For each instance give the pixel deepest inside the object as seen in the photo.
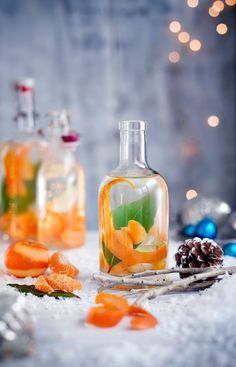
(107, 60)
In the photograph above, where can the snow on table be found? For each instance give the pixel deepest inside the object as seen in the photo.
(195, 329)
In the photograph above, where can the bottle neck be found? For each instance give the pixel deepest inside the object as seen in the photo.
(25, 116)
(133, 148)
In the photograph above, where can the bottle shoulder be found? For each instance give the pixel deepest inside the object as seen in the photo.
(151, 181)
(134, 171)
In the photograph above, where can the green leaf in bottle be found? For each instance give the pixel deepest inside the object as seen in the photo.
(111, 259)
(142, 210)
(21, 203)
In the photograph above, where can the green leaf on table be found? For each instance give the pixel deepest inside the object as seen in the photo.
(110, 258)
(21, 202)
(142, 210)
(24, 288)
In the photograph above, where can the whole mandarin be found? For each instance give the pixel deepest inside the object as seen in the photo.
(26, 258)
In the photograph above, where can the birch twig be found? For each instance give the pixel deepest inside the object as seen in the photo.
(190, 271)
(183, 283)
(129, 281)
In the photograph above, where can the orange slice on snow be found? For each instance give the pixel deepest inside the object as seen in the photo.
(142, 319)
(60, 265)
(61, 282)
(104, 317)
(42, 285)
(112, 301)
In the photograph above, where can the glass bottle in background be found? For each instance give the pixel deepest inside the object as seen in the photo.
(60, 188)
(133, 209)
(21, 156)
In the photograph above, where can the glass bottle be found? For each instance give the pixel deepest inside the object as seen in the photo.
(20, 160)
(133, 209)
(60, 188)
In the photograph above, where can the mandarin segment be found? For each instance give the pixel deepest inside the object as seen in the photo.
(136, 231)
(59, 264)
(26, 258)
(42, 285)
(61, 282)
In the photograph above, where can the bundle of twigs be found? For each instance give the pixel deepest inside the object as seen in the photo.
(154, 283)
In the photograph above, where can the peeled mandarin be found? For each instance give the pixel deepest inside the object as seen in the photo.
(26, 258)
(42, 285)
(59, 264)
(61, 282)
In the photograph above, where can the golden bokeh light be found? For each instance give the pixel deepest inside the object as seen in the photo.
(213, 121)
(175, 26)
(174, 57)
(221, 28)
(213, 13)
(218, 5)
(195, 45)
(191, 194)
(184, 37)
(192, 3)
(230, 2)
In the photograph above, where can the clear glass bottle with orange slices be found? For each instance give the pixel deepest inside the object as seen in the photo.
(60, 188)
(21, 156)
(133, 209)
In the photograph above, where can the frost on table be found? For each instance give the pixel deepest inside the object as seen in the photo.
(195, 329)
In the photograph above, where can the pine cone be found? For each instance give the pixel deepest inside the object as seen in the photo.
(197, 253)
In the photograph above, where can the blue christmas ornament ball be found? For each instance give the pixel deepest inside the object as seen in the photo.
(230, 249)
(206, 228)
(189, 230)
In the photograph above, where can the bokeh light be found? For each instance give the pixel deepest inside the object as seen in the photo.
(195, 45)
(184, 37)
(192, 3)
(218, 5)
(175, 26)
(213, 121)
(221, 28)
(230, 2)
(174, 57)
(213, 13)
(191, 194)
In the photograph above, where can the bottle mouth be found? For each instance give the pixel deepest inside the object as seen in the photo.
(132, 125)
(24, 84)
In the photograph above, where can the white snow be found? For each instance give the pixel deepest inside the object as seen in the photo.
(195, 329)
